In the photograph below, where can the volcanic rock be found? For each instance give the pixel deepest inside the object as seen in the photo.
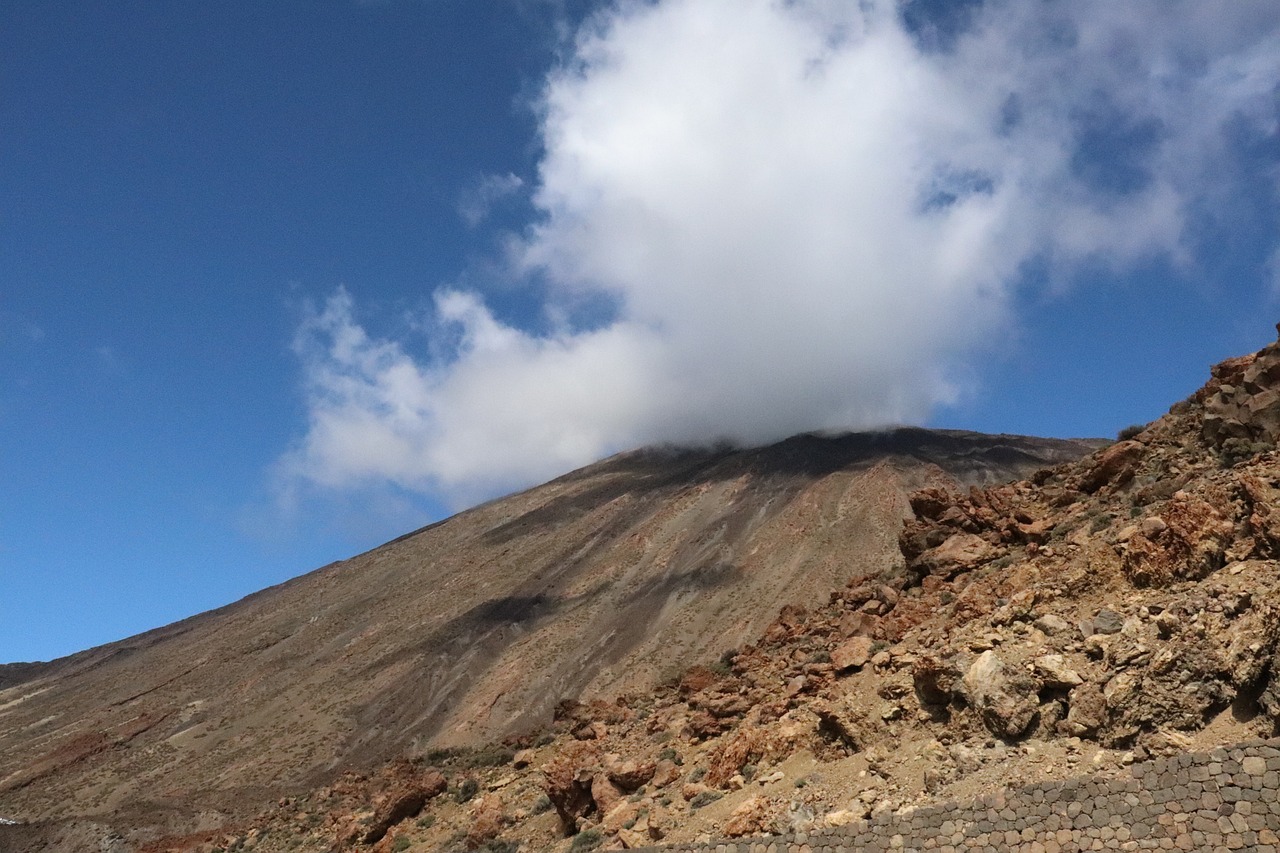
(1005, 698)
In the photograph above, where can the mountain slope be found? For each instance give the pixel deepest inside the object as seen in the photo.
(1122, 606)
(605, 580)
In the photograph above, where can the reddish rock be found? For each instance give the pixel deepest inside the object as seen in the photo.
(568, 782)
(486, 822)
(629, 775)
(857, 624)
(665, 772)
(696, 679)
(960, 553)
(402, 802)
(852, 654)
(754, 816)
(604, 793)
(1190, 545)
(1115, 465)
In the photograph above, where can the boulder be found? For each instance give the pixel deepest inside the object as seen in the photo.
(1190, 546)
(628, 774)
(402, 802)
(959, 553)
(486, 822)
(1054, 672)
(604, 793)
(754, 816)
(1115, 465)
(1087, 711)
(665, 772)
(1005, 698)
(851, 654)
(568, 782)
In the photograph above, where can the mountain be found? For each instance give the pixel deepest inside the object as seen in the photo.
(609, 580)
(1108, 610)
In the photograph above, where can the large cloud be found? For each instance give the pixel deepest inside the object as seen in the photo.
(808, 214)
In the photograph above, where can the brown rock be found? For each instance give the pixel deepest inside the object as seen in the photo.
(486, 822)
(665, 772)
(1115, 465)
(857, 624)
(852, 654)
(960, 553)
(568, 782)
(696, 679)
(745, 745)
(628, 775)
(403, 802)
(754, 816)
(935, 680)
(604, 793)
(1087, 711)
(1190, 546)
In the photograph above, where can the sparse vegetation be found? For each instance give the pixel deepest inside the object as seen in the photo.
(541, 805)
(705, 798)
(1131, 431)
(401, 844)
(1235, 450)
(588, 839)
(466, 789)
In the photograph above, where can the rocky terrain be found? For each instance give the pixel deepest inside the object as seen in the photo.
(609, 581)
(1117, 608)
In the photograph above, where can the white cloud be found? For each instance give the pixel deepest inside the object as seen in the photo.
(478, 200)
(806, 220)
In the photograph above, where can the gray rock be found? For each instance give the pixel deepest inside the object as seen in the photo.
(1107, 621)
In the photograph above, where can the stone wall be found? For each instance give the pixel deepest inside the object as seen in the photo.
(1227, 799)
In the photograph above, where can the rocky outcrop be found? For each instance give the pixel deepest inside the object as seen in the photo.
(1005, 698)
(403, 802)
(1244, 404)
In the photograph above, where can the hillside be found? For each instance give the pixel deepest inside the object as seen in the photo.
(608, 580)
(1106, 611)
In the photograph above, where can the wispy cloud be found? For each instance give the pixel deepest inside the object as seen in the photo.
(479, 199)
(809, 215)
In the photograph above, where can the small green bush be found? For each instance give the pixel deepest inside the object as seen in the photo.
(1131, 431)
(466, 790)
(697, 774)
(401, 844)
(588, 839)
(542, 804)
(705, 798)
(497, 845)
(427, 821)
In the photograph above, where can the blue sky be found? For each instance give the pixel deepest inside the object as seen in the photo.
(279, 281)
